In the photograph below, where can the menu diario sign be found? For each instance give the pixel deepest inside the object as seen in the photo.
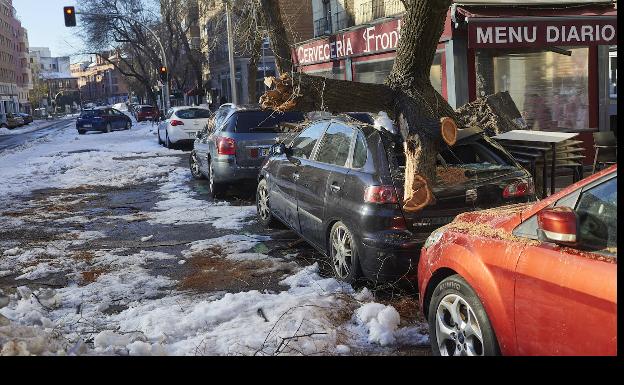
(534, 33)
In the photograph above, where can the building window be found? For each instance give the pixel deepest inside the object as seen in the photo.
(337, 72)
(549, 88)
(372, 71)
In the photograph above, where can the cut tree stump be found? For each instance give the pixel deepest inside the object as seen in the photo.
(495, 114)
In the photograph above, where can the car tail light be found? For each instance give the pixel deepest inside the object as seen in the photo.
(517, 189)
(380, 194)
(177, 123)
(226, 146)
(253, 153)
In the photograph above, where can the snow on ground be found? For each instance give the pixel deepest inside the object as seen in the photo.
(115, 303)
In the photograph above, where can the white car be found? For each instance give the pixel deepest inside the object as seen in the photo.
(181, 125)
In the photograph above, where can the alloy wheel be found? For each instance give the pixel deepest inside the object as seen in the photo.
(195, 165)
(458, 332)
(341, 251)
(211, 182)
(263, 203)
(108, 128)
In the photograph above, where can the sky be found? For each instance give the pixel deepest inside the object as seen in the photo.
(43, 19)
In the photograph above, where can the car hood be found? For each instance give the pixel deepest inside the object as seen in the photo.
(504, 218)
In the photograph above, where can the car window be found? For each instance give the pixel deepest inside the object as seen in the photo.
(264, 121)
(597, 216)
(193, 113)
(335, 145)
(304, 143)
(220, 117)
(169, 113)
(116, 112)
(359, 153)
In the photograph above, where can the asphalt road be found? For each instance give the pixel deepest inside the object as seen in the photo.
(8, 142)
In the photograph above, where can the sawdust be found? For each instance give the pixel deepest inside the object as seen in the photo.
(487, 231)
(91, 276)
(450, 176)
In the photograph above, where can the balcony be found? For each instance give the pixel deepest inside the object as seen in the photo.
(332, 23)
(376, 9)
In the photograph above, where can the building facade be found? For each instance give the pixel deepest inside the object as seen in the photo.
(15, 78)
(99, 81)
(557, 59)
(297, 17)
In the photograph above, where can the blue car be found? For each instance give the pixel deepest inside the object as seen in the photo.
(104, 119)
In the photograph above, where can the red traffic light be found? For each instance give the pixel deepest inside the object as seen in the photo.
(163, 73)
(70, 16)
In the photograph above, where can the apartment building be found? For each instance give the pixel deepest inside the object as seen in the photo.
(99, 81)
(15, 78)
(297, 17)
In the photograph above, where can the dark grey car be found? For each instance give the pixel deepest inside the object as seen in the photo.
(235, 142)
(339, 185)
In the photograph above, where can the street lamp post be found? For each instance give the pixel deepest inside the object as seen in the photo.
(162, 49)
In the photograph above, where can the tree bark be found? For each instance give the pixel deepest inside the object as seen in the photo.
(252, 71)
(272, 18)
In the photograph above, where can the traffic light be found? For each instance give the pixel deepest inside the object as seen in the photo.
(70, 16)
(163, 73)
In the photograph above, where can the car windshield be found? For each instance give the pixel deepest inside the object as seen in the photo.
(264, 121)
(193, 113)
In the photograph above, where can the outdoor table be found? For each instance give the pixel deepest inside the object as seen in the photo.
(546, 137)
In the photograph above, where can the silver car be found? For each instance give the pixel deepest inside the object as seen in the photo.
(234, 144)
(182, 124)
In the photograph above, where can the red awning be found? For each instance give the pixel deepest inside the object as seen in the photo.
(538, 26)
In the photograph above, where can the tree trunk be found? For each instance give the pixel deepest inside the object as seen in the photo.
(253, 67)
(407, 95)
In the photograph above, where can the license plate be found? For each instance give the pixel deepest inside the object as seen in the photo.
(86, 125)
(192, 135)
(264, 151)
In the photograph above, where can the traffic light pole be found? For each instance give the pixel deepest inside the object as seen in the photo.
(162, 49)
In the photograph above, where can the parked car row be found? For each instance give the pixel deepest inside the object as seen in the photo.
(181, 125)
(529, 278)
(17, 119)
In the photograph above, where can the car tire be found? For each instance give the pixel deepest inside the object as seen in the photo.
(128, 125)
(453, 302)
(263, 207)
(160, 142)
(81, 132)
(108, 127)
(168, 143)
(194, 166)
(216, 189)
(343, 253)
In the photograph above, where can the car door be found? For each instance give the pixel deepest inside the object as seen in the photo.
(119, 117)
(321, 180)
(162, 126)
(565, 298)
(283, 184)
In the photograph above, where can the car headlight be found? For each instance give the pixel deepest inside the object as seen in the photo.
(433, 238)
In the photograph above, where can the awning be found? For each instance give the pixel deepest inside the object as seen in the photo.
(533, 26)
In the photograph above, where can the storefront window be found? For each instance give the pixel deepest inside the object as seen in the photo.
(550, 87)
(435, 73)
(333, 73)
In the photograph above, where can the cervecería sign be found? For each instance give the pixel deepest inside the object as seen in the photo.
(362, 41)
(535, 33)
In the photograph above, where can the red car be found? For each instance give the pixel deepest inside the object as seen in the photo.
(536, 279)
(146, 113)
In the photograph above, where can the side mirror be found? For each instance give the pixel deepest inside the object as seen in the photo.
(558, 225)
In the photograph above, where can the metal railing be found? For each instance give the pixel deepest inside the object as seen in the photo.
(376, 9)
(328, 24)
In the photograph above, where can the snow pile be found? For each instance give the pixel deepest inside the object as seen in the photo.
(178, 206)
(383, 121)
(381, 321)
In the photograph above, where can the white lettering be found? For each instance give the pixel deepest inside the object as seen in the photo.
(394, 38)
(484, 37)
(530, 39)
(368, 37)
(573, 34)
(552, 34)
(515, 33)
(586, 31)
(501, 34)
(385, 41)
(611, 32)
(326, 51)
(300, 56)
(349, 50)
(339, 48)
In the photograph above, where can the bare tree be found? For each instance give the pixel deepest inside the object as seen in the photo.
(407, 94)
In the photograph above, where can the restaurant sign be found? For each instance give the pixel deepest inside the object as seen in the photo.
(362, 41)
(536, 33)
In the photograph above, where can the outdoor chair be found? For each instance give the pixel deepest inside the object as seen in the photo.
(605, 147)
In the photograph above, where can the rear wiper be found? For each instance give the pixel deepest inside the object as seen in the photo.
(271, 128)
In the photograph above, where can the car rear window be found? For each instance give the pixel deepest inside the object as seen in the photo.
(193, 113)
(90, 113)
(147, 109)
(262, 121)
